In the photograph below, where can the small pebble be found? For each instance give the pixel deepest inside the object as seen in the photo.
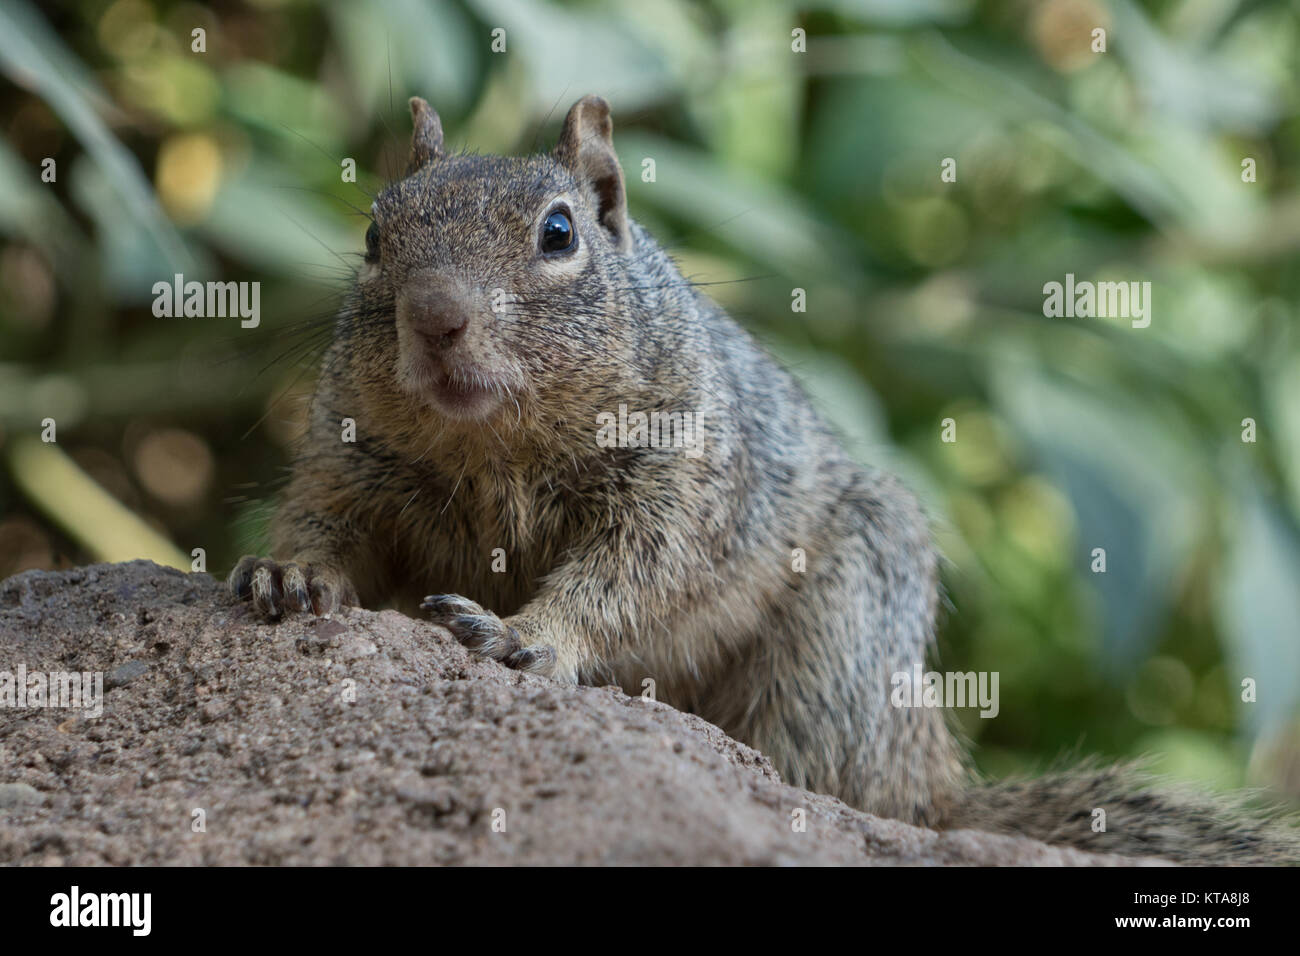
(19, 794)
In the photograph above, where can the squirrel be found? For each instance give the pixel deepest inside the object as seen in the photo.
(507, 307)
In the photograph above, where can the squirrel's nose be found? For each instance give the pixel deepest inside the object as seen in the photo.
(437, 319)
(439, 327)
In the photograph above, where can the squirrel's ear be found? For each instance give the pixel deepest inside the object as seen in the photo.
(586, 149)
(426, 139)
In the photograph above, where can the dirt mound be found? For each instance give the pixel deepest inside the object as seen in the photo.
(374, 738)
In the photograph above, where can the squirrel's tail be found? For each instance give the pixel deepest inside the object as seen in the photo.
(1142, 817)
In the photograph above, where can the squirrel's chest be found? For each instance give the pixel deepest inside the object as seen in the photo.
(490, 540)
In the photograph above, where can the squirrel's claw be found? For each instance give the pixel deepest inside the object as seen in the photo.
(276, 588)
(440, 605)
(478, 630)
(535, 658)
(293, 581)
(268, 590)
(486, 635)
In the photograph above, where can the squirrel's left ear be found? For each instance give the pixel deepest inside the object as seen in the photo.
(426, 139)
(586, 149)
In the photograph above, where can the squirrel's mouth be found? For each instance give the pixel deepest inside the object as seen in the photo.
(465, 396)
(455, 386)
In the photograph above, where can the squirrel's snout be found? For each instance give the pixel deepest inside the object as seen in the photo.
(438, 320)
(440, 330)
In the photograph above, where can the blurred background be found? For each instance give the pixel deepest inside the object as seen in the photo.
(774, 170)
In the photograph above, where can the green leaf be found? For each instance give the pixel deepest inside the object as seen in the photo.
(1258, 607)
(34, 58)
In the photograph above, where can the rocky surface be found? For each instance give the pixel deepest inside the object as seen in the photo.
(374, 738)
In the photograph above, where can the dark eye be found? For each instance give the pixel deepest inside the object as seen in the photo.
(372, 242)
(558, 233)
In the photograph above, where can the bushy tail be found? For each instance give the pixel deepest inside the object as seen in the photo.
(1143, 817)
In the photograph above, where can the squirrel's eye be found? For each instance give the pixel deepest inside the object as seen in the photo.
(558, 233)
(372, 242)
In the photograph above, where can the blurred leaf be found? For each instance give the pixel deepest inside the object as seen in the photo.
(571, 53)
(1192, 88)
(267, 98)
(749, 117)
(769, 225)
(28, 209)
(899, 13)
(130, 258)
(261, 218)
(35, 58)
(55, 483)
(1002, 92)
(1259, 609)
(410, 48)
(1131, 486)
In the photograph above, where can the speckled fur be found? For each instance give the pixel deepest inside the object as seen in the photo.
(638, 563)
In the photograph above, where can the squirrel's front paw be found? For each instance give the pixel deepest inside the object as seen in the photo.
(276, 587)
(487, 635)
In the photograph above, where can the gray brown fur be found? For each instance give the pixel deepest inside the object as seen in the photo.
(628, 563)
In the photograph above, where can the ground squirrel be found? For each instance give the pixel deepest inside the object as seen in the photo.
(508, 306)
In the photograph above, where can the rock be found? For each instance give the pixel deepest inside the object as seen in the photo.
(19, 795)
(123, 675)
(376, 739)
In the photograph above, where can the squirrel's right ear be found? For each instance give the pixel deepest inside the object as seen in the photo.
(586, 149)
(426, 139)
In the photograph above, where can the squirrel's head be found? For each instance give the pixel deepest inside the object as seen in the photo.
(500, 273)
